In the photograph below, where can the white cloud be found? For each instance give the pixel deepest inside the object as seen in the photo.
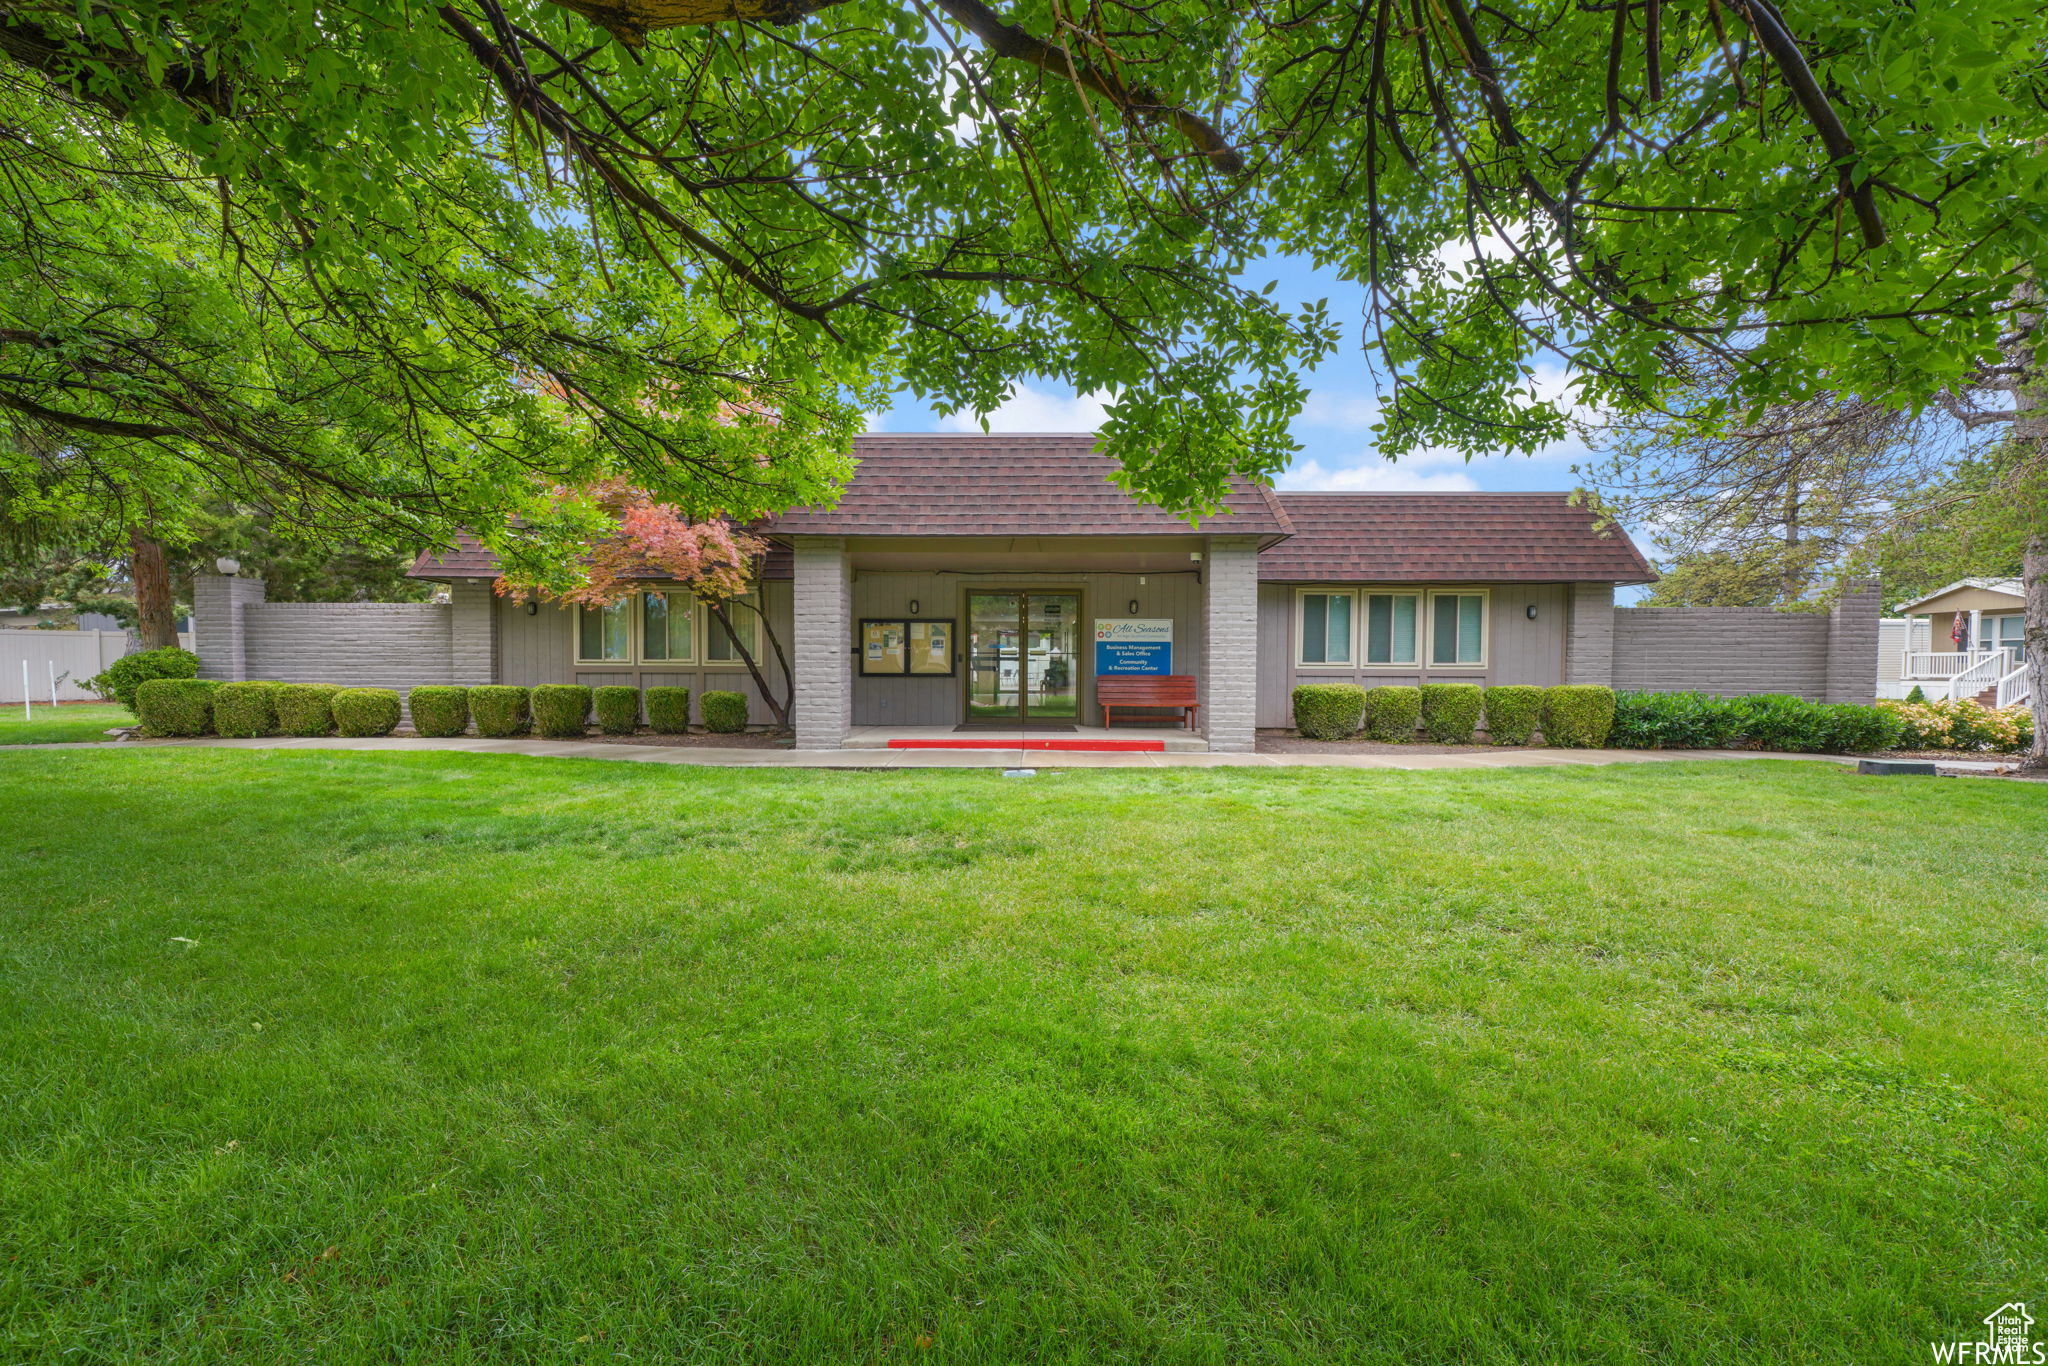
(1346, 412)
(1412, 475)
(1033, 410)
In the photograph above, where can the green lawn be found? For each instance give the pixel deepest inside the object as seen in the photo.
(326, 1057)
(60, 724)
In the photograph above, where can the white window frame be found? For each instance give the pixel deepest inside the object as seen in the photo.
(1364, 651)
(1301, 595)
(696, 610)
(632, 606)
(1485, 597)
(706, 624)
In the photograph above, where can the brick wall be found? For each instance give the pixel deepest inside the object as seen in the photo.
(356, 644)
(220, 626)
(823, 648)
(1734, 651)
(1589, 642)
(1230, 643)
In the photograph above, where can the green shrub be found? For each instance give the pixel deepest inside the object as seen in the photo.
(561, 711)
(1328, 711)
(1782, 722)
(1513, 711)
(246, 710)
(500, 710)
(175, 706)
(1392, 712)
(668, 710)
(618, 709)
(365, 711)
(306, 708)
(1450, 712)
(1914, 694)
(1577, 715)
(1856, 729)
(1675, 720)
(1960, 723)
(438, 710)
(725, 713)
(129, 672)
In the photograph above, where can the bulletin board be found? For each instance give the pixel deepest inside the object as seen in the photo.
(898, 646)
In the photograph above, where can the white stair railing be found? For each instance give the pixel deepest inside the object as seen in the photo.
(1937, 664)
(2013, 689)
(1984, 673)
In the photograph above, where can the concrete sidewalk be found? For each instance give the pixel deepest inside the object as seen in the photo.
(957, 758)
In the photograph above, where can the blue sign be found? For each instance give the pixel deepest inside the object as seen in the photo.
(1133, 645)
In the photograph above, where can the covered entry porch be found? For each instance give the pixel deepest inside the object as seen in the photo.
(978, 641)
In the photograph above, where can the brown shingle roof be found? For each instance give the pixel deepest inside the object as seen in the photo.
(1461, 537)
(1007, 486)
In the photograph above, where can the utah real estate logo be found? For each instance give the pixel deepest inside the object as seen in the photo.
(2006, 1340)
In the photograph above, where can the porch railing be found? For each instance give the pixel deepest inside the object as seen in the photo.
(2014, 689)
(1936, 664)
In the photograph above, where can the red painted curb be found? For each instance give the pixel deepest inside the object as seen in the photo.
(1099, 746)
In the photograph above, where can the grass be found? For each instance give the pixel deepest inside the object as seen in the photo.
(315, 1056)
(60, 724)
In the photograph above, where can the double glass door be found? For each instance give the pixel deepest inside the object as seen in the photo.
(1024, 661)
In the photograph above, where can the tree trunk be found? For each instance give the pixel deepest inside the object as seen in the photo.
(779, 706)
(155, 623)
(2030, 434)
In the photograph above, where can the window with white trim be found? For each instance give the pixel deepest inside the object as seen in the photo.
(1391, 627)
(604, 635)
(1323, 629)
(1457, 630)
(718, 645)
(668, 627)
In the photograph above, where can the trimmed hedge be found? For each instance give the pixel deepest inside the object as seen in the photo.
(500, 710)
(1962, 723)
(618, 709)
(1513, 711)
(1392, 712)
(121, 678)
(1328, 711)
(175, 706)
(561, 711)
(246, 710)
(306, 708)
(1450, 712)
(363, 712)
(1577, 715)
(439, 710)
(725, 713)
(1675, 720)
(668, 710)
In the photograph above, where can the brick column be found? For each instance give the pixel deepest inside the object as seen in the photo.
(1589, 642)
(1230, 643)
(473, 632)
(1852, 643)
(219, 624)
(823, 650)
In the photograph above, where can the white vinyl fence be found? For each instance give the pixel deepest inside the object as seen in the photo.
(70, 657)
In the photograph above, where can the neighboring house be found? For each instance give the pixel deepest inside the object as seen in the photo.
(989, 580)
(1974, 646)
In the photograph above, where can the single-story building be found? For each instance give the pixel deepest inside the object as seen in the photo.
(1973, 643)
(968, 581)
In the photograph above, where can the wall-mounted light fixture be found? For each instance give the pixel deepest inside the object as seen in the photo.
(1134, 607)
(913, 607)
(532, 608)
(228, 566)
(1530, 611)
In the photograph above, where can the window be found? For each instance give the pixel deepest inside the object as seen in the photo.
(1457, 630)
(668, 623)
(1325, 620)
(718, 646)
(1390, 621)
(604, 635)
(2008, 634)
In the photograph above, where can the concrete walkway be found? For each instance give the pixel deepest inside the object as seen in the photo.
(959, 758)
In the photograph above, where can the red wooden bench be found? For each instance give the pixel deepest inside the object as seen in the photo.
(1174, 691)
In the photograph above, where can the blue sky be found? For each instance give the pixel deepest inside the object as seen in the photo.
(1333, 429)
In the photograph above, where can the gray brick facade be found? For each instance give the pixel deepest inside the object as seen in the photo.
(1589, 639)
(823, 648)
(1852, 644)
(220, 625)
(1736, 651)
(355, 644)
(473, 633)
(1230, 643)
